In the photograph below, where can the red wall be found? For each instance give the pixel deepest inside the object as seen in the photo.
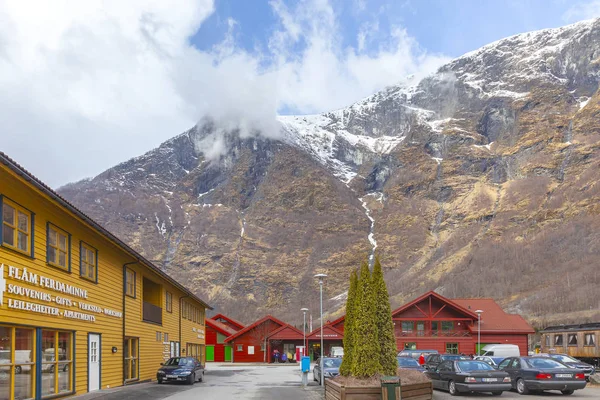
(465, 345)
(519, 340)
(211, 340)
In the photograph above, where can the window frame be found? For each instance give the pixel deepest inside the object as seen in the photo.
(134, 295)
(593, 341)
(31, 234)
(572, 336)
(58, 230)
(452, 344)
(547, 341)
(131, 357)
(168, 301)
(83, 245)
(239, 347)
(562, 339)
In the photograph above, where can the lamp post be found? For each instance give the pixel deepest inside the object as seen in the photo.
(321, 277)
(478, 312)
(304, 310)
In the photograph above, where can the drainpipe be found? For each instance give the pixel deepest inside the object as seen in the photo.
(180, 307)
(123, 331)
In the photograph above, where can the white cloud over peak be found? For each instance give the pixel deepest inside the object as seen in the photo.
(87, 84)
(581, 10)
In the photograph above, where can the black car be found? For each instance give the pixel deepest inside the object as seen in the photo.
(469, 376)
(409, 363)
(180, 369)
(542, 373)
(433, 360)
(569, 361)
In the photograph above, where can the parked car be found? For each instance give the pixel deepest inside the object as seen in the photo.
(460, 376)
(542, 373)
(330, 365)
(433, 360)
(336, 351)
(569, 361)
(409, 363)
(180, 369)
(416, 353)
(493, 361)
(501, 350)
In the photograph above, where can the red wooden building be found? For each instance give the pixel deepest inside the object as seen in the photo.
(250, 343)
(450, 326)
(230, 322)
(216, 349)
(288, 340)
(332, 336)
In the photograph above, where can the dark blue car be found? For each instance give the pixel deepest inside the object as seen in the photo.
(181, 369)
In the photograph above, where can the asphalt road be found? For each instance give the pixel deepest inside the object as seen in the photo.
(589, 393)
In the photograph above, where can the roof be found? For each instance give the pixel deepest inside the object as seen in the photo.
(333, 333)
(452, 303)
(577, 327)
(254, 325)
(232, 321)
(41, 186)
(219, 327)
(493, 318)
(294, 333)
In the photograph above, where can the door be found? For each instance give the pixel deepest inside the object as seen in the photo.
(228, 351)
(210, 353)
(94, 353)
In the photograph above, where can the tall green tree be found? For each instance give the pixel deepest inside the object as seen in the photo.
(383, 319)
(349, 336)
(365, 361)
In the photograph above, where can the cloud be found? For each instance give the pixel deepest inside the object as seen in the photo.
(87, 84)
(582, 10)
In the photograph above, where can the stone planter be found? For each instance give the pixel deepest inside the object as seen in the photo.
(335, 391)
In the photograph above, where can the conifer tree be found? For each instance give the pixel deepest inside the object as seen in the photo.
(349, 345)
(385, 327)
(365, 361)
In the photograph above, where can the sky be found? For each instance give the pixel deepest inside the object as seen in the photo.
(85, 85)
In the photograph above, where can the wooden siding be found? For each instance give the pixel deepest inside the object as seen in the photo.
(106, 293)
(579, 351)
(211, 339)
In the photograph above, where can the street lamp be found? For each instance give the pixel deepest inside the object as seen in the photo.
(304, 310)
(478, 312)
(321, 277)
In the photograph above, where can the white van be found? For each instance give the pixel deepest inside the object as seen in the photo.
(337, 351)
(501, 350)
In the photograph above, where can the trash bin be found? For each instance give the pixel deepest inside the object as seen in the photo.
(390, 388)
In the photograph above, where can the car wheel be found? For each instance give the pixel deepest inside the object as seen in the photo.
(496, 393)
(192, 379)
(18, 369)
(452, 388)
(567, 392)
(201, 377)
(159, 381)
(521, 388)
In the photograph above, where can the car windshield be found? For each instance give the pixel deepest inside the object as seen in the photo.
(454, 358)
(565, 359)
(544, 363)
(407, 362)
(332, 362)
(473, 366)
(179, 361)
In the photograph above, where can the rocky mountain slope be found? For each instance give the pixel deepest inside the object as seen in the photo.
(480, 180)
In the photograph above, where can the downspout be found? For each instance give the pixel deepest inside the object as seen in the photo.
(180, 307)
(123, 331)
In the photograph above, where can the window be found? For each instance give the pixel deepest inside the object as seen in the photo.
(130, 283)
(447, 325)
(452, 348)
(240, 347)
(504, 364)
(195, 350)
(158, 336)
(88, 262)
(407, 326)
(547, 338)
(220, 338)
(57, 362)
(169, 300)
(17, 356)
(572, 339)
(58, 248)
(410, 346)
(130, 351)
(558, 340)
(17, 224)
(166, 337)
(590, 339)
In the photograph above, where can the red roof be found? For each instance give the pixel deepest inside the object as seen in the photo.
(493, 318)
(254, 325)
(232, 321)
(329, 332)
(451, 303)
(287, 332)
(219, 327)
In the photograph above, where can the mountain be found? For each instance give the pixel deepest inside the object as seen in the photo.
(480, 180)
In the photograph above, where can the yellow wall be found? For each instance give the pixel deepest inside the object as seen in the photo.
(106, 293)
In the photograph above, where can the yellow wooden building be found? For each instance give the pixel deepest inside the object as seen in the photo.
(79, 309)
